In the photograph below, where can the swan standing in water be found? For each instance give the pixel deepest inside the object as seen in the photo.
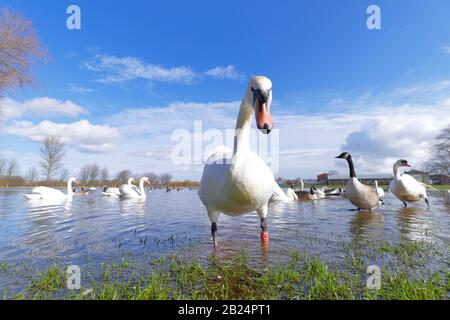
(133, 192)
(47, 193)
(405, 187)
(241, 183)
(360, 195)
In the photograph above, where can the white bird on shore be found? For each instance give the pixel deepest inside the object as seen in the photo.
(133, 192)
(405, 187)
(361, 196)
(46, 193)
(243, 182)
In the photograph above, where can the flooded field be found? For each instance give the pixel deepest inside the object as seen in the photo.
(93, 231)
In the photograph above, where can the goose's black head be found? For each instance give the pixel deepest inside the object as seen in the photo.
(344, 155)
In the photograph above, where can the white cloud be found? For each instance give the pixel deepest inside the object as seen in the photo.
(39, 107)
(446, 49)
(118, 70)
(220, 72)
(79, 89)
(81, 135)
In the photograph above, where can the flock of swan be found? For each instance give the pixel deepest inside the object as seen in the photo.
(240, 182)
(126, 191)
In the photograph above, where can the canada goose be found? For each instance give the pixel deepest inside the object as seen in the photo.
(405, 187)
(241, 182)
(360, 195)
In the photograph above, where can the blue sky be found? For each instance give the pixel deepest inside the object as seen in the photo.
(335, 81)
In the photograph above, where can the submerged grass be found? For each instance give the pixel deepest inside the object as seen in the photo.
(301, 276)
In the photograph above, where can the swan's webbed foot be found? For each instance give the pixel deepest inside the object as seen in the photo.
(213, 233)
(405, 204)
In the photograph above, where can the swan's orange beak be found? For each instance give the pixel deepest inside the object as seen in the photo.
(263, 118)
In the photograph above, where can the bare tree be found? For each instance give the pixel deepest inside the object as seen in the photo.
(3, 162)
(52, 154)
(440, 162)
(124, 175)
(165, 178)
(84, 173)
(19, 48)
(11, 170)
(152, 177)
(64, 174)
(94, 172)
(104, 174)
(32, 174)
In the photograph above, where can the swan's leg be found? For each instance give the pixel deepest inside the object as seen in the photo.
(262, 212)
(405, 204)
(213, 217)
(428, 203)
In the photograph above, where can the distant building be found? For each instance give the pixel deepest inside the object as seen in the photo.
(440, 179)
(322, 178)
(420, 176)
(364, 178)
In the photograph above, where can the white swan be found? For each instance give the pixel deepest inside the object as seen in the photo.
(280, 195)
(115, 192)
(47, 193)
(128, 191)
(405, 187)
(379, 190)
(360, 195)
(242, 182)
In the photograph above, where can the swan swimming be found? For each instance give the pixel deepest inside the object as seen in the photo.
(361, 196)
(129, 191)
(114, 192)
(280, 195)
(47, 193)
(379, 190)
(405, 187)
(242, 182)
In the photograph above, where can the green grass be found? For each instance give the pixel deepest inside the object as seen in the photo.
(300, 276)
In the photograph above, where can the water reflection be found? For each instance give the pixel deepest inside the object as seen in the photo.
(414, 223)
(103, 228)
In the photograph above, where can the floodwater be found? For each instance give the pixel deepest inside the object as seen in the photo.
(94, 229)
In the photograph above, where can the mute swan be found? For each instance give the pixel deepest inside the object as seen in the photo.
(115, 192)
(133, 192)
(405, 187)
(242, 182)
(280, 195)
(360, 195)
(379, 190)
(51, 193)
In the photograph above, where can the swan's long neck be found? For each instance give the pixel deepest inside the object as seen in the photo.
(69, 189)
(141, 188)
(397, 174)
(302, 185)
(376, 184)
(351, 168)
(243, 125)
